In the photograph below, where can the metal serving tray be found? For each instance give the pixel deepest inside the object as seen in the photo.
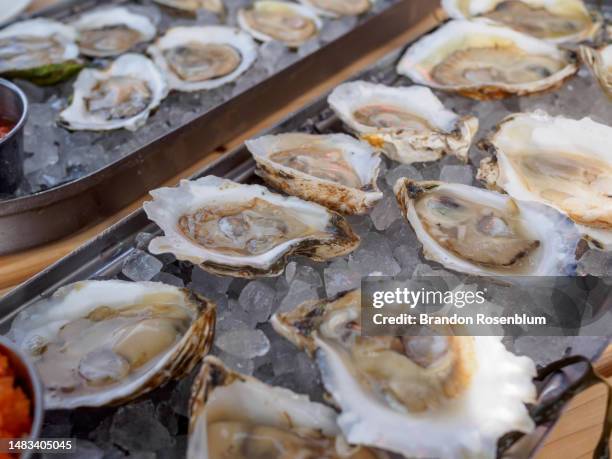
(103, 258)
(57, 212)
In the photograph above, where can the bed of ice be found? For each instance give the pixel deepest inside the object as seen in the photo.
(155, 425)
(55, 155)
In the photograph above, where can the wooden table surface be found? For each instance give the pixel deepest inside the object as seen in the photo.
(576, 432)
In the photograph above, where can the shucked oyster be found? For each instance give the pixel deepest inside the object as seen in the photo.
(121, 96)
(336, 8)
(191, 6)
(106, 342)
(286, 22)
(483, 60)
(239, 417)
(551, 20)
(599, 61)
(335, 170)
(41, 50)
(112, 31)
(561, 162)
(196, 58)
(482, 232)
(419, 396)
(243, 230)
(410, 124)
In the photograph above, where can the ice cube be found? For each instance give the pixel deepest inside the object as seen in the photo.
(385, 213)
(244, 343)
(206, 283)
(140, 266)
(257, 300)
(457, 174)
(135, 428)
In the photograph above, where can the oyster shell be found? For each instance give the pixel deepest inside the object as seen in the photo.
(238, 416)
(121, 96)
(243, 230)
(555, 21)
(599, 62)
(410, 124)
(40, 50)
(337, 8)
(191, 6)
(561, 162)
(421, 396)
(286, 22)
(482, 232)
(334, 170)
(96, 343)
(483, 60)
(196, 58)
(112, 31)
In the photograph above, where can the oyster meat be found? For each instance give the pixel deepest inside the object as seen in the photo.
(40, 50)
(192, 6)
(334, 170)
(337, 8)
(409, 124)
(287, 22)
(419, 396)
(243, 230)
(481, 232)
(599, 62)
(551, 20)
(483, 60)
(196, 58)
(561, 162)
(120, 96)
(96, 343)
(239, 417)
(112, 31)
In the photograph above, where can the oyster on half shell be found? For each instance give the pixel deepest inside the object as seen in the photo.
(419, 396)
(41, 50)
(334, 170)
(409, 124)
(120, 96)
(191, 6)
(287, 22)
(239, 417)
(112, 31)
(481, 232)
(560, 162)
(96, 343)
(483, 60)
(243, 230)
(599, 62)
(551, 20)
(196, 58)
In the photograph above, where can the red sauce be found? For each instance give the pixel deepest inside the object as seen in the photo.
(5, 127)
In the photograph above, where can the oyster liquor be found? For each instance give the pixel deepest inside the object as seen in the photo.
(477, 319)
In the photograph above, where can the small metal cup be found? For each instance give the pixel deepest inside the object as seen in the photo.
(29, 381)
(14, 108)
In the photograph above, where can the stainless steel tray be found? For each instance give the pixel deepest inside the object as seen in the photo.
(59, 211)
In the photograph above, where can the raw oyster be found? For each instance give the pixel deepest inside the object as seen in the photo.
(551, 20)
(112, 31)
(196, 58)
(40, 50)
(481, 232)
(561, 162)
(191, 6)
(419, 396)
(243, 230)
(96, 343)
(410, 124)
(599, 61)
(483, 60)
(337, 8)
(335, 170)
(238, 416)
(121, 96)
(286, 22)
